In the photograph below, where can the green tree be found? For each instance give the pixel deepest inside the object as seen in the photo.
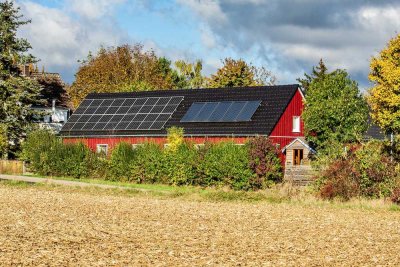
(190, 73)
(124, 68)
(17, 93)
(384, 97)
(334, 111)
(318, 72)
(237, 73)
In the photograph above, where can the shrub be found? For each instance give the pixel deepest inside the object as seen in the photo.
(71, 160)
(180, 164)
(226, 164)
(47, 155)
(175, 138)
(264, 162)
(147, 165)
(364, 170)
(120, 162)
(340, 181)
(395, 196)
(376, 170)
(36, 151)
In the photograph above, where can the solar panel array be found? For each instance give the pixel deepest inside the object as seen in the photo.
(227, 111)
(148, 113)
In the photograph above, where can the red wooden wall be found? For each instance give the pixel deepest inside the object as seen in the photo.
(92, 142)
(282, 133)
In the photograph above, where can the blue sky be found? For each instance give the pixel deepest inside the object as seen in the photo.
(288, 37)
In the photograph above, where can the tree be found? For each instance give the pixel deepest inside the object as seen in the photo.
(52, 87)
(384, 97)
(191, 73)
(17, 93)
(334, 111)
(124, 68)
(318, 72)
(237, 73)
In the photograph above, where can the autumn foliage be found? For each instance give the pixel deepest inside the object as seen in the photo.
(384, 97)
(121, 69)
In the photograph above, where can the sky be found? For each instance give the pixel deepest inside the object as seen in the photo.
(287, 37)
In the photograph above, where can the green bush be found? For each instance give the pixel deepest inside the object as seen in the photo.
(180, 164)
(120, 162)
(251, 166)
(36, 150)
(72, 160)
(147, 165)
(226, 164)
(47, 155)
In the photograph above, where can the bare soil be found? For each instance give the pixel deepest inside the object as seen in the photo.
(57, 227)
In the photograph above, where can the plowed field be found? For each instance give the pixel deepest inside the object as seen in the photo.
(52, 227)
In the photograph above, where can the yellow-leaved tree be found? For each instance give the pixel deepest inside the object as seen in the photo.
(384, 96)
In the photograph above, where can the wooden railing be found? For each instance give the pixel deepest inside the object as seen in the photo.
(11, 167)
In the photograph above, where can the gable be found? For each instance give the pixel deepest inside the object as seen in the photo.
(284, 126)
(298, 143)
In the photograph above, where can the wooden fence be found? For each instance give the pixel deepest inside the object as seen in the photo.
(11, 167)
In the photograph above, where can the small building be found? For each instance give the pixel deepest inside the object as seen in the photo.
(104, 119)
(53, 117)
(298, 169)
(55, 107)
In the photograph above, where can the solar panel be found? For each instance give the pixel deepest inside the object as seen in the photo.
(145, 113)
(226, 111)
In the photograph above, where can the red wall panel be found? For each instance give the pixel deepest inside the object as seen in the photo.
(282, 133)
(92, 142)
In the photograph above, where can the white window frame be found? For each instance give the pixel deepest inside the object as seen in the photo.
(99, 149)
(134, 146)
(296, 124)
(198, 146)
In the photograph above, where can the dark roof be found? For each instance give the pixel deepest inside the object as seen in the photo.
(274, 100)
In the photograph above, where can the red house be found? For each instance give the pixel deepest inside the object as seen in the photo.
(103, 120)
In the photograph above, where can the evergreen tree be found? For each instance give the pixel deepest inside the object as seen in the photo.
(318, 72)
(17, 93)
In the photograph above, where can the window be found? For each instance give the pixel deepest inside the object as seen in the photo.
(296, 124)
(297, 156)
(198, 146)
(102, 149)
(134, 146)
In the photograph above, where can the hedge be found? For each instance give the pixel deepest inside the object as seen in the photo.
(240, 167)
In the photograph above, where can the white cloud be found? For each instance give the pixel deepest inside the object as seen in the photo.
(207, 37)
(93, 9)
(59, 39)
(296, 34)
(209, 10)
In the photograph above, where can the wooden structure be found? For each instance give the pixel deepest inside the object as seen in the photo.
(297, 164)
